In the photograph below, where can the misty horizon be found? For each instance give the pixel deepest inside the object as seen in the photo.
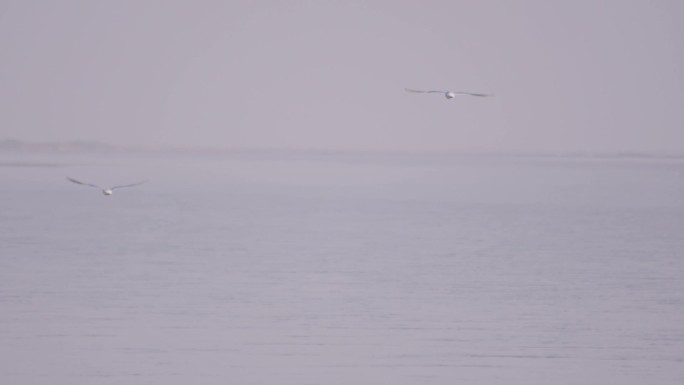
(86, 146)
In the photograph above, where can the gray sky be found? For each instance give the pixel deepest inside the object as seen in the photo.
(568, 75)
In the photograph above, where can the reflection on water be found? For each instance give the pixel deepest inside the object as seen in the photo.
(343, 271)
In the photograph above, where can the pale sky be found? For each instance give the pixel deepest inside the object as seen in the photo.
(581, 75)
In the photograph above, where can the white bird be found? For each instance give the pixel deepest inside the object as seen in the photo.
(105, 191)
(447, 94)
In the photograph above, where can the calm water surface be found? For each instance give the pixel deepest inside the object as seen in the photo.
(341, 269)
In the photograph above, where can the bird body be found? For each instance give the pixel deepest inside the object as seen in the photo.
(447, 94)
(105, 190)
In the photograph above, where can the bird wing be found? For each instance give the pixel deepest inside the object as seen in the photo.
(472, 94)
(128, 185)
(83, 183)
(423, 92)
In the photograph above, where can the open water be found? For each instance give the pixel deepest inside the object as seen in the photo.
(314, 268)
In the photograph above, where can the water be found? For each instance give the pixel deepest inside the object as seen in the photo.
(341, 269)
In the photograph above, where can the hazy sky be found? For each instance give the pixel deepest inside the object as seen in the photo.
(568, 75)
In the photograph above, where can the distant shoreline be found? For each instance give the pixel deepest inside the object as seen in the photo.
(92, 147)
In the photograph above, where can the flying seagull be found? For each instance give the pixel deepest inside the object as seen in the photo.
(105, 191)
(447, 94)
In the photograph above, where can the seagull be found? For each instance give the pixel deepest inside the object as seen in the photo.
(105, 191)
(447, 94)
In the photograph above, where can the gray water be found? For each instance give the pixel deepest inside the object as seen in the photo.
(341, 269)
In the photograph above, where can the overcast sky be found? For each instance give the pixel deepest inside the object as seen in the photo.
(594, 75)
